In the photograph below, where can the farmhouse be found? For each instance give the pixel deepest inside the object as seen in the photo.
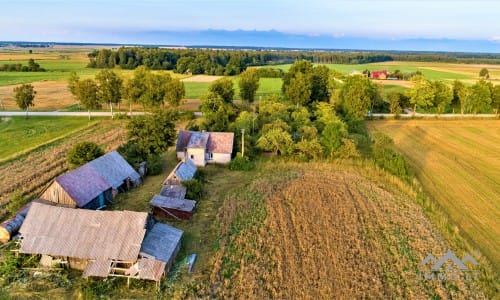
(379, 74)
(116, 171)
(205, 147)
(101, 243)
(83, 187)
(184, 170)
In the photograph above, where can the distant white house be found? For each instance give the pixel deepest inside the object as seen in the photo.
(205, 147)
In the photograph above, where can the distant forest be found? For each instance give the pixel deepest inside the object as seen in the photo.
(232, 62)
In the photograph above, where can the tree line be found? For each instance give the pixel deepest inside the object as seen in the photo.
(232, 62)
(31, 67)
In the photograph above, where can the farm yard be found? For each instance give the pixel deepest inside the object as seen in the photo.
(458, 164)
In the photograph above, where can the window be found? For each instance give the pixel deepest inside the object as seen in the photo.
(192, 156)
(210, 156)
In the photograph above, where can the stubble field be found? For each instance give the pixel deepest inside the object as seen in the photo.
(458, 164)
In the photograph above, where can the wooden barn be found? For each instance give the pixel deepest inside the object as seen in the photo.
(184, 170)
(116, 171)
(172, 207)
(82, 187)
(101, 243)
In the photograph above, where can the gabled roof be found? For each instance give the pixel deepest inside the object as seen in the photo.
(81, 233)
(185, 170)
(173, 191)
(215, 142)
(83, 184)
(161, 242)
(221, 142)
(114, 169)
(173, 203)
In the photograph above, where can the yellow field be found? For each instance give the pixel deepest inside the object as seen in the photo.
(458, 164)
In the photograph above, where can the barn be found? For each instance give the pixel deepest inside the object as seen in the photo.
(205, 147)
(379, 74)
(116, 171)
(82, 187)
(172, 207)
(101, 243)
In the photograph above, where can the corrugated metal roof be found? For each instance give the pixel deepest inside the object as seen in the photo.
(221, 142)
(198, 140)
(173, 191)
(151, 269)
(114, 169)
(161, 242)
(185, 170)
(97, 268)
(174, 203)
(83, 184)
(80, 233)
(218, 142)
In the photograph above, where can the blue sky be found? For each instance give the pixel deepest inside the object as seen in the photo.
(124, 21)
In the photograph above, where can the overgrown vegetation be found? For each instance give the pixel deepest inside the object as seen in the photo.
(82, 153)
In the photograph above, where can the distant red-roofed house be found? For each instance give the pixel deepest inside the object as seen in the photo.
(205, 147)
(379, 74)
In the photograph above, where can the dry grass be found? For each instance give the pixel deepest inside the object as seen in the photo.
(326, 232)
(31, 172)
(458, 164)
(50, 95)
(202, 78)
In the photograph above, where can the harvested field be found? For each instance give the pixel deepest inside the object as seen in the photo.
(323, 231)
(458, 164)
(31, 172)
(201, 78)
(50, 95)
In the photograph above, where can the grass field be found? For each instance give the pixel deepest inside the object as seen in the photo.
(458, 164)
(19, 134)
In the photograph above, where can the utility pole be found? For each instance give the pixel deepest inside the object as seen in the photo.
(243, 142)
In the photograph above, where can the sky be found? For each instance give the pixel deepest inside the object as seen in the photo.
(126, 21)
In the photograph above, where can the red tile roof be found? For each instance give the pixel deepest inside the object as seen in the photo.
(221, 142)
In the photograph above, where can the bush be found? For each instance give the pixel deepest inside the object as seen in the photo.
(155, 164)
(389, 159)
(132, 153)
(241, 163)
(194, 188)
(16, 202)
(82, 153)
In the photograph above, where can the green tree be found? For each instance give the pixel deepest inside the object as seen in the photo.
(310, 149)
(25, 96)
(224, 88)
(276, 140)
(394, 103)
(461, 96)
(300, 66)
(319, 83)
(484, 73)
(249, 84)
(73, 82)
(135, 88)
(217, 113)
(495, 98)
(457, 87)
(480, 96)
(154, 133)
(175, 92)
(86, 93)
(109, 88)
(299, 89)
(356, 96)
(422, 93)
(443, 96)
(82, 153)
(331, 136)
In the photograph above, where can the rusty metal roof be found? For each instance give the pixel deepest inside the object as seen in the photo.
(114, 169)
(221, 142)
(217, 142)
(83, 184)
(81, 233)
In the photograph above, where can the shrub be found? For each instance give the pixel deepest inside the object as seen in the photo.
(16, 202)
(241, 163)
(82, 153)
(389, 159)
(155, 164)
(194, 188)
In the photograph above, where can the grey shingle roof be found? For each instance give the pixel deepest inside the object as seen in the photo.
(114, 169)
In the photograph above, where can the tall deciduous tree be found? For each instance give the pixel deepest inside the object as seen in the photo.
(73, 82)
(422, 93)
(276, 140)
(86, 92)
(480, 96)
(484, 73)
(249, 84)
(319, 83)
(135, 88)
(356, 96)
(299, 89)
(25, 96)
(109, 88)
(175, 92)
(224, 88)
(442, 96)
(495, 98)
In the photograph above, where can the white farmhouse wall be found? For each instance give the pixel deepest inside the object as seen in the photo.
(220, 158)
(197, 155)
(180, 155)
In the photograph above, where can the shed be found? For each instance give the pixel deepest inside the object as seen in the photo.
(170, 207)
(116, 171)
(173, 191)
(80, 236)
(162, 243)
(184, 170)
(82, 187)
